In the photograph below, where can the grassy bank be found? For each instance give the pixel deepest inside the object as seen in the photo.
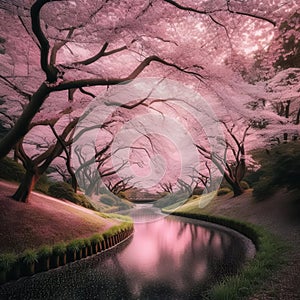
(45, 220)
(239, 214)
(269, 257)
(46, 233)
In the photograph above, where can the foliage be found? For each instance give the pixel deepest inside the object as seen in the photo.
(252, 177)
(29, 256)
(280, 167)
(11, 170)
(289, 52)
(107, 199)
(44, 251)
(96, 238)
(115, 216)
(63, 190)
(42, 184)
(7, 260)
(224, 191)
(244, 184)
(74, 245)
(87, 242)
(59, 248)
(269, 257)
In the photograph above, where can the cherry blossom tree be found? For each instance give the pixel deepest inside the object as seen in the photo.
(233, 164)
(36, 164)
(55, 53)
(73, 44)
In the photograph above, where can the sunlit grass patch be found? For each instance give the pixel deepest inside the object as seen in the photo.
(192, 203)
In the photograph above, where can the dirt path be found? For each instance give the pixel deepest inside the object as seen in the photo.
(278, 216)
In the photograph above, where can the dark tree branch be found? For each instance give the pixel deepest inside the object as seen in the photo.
(15, 87)
(65, 85)
(59, 45)
(229, 9)
(49, 70)
(249, 14)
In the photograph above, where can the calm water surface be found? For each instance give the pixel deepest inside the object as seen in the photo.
(167, 258)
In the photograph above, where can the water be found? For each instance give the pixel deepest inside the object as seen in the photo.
(167, 258)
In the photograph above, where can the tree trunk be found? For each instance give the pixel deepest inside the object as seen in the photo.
(26, 187)
(237, 189)
(21, 127)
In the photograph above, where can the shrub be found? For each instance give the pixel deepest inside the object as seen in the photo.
(63, 190)
(280, 167)
(87, 242)
(11, 170)
(124, 204)
(59, 249)
(223, 191)
(81, 243)
(106, 199)
(6, 261)
(29, 256)
(96, 238)
(42, 184)
(73, 246)
(263, 188)
(122, 195)
(244, 185)
(44, 251)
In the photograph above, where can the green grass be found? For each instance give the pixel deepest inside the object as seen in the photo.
(269, 257)
(7, 260)
(44, 251)
(189, 205)
(59, 248)
(29, 256)
(115, 216)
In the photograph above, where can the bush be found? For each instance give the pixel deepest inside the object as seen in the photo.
(223, 191)
(63, 190)
(44, 251)
(42, 184)
(74, 245)
(59, 249)
(125, 204)
(96, 238)
(11, 170)
(6, 261)
(30, 256)
(280, 167)
(263, 188)
(108, 200)
(244, 185)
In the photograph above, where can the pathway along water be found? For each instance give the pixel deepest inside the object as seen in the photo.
(167, 258)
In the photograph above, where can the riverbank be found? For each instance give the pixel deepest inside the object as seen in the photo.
(277, 215)
(44, 220)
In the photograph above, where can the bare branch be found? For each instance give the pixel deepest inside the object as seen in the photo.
(15, 87)
(249, 14)
(58, 46)
(209, 12)
(44, 43)
(65, 85)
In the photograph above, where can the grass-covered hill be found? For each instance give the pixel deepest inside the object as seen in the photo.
(44, 220)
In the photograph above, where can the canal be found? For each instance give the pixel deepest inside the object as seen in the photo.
(168, 257)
